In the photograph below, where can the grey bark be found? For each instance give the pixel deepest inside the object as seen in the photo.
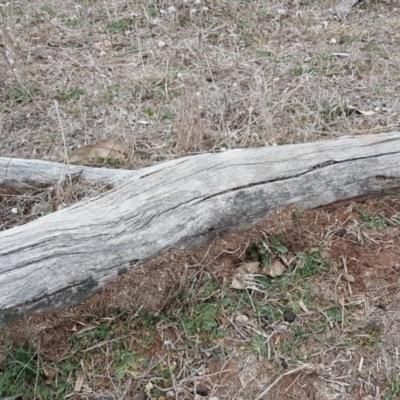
(63, 258)
(343, 8)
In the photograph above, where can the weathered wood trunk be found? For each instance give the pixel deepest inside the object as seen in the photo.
(343, 8)
(63, 258)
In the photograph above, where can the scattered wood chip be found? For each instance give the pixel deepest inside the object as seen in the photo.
(79, 381)
(349, 110)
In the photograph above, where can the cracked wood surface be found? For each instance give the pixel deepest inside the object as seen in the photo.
(64, 258)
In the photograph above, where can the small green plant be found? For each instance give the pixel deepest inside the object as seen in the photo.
(110, 162)
(21, 377)
(127, 362)
(202, 318)
(48, 10)
(73, 94)
(115, 27)
(152, 12)
(113, 93)
(177, 70)
(299, 71)
(372, 221)
(3, 144)
(311, 263)
(149, 112)
(335, 314)
(393, 392)
(269, 314)
(23, 95)
(75, 112)
(72, 23)
(347, 39)
(264, 251)
(198, 315)
(298, 215)
(89, 336)
(168, 115)
(263, 53)
(291, 344)
(371, 47)
(257, 345)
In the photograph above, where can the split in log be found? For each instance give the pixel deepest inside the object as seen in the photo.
(64, 258)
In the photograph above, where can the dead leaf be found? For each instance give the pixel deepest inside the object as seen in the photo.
(237, 284)
(111, 144)
(102, 149)
(79, 381)
(249, 268)
(276, 269)
(349, 277)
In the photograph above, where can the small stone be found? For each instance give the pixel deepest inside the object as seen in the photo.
(372, 325)
(341, 232)
(241, 319)
(170, 394)
(201, 390)
(289, 316)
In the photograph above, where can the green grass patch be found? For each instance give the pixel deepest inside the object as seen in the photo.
(393, 392)
(265, 249)
(23, 94)
(372, 220)
(22, 376)
(72, 94)
(115, 27)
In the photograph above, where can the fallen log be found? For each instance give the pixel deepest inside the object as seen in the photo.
(64, 258)
(343, 8)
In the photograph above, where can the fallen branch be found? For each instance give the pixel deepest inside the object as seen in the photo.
(63, 258)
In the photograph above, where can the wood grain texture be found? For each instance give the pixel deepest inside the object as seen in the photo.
(65, 257)
(20, 173)
(343, 8)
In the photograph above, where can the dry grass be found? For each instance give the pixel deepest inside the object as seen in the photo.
(186, 77)
(171, 78)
